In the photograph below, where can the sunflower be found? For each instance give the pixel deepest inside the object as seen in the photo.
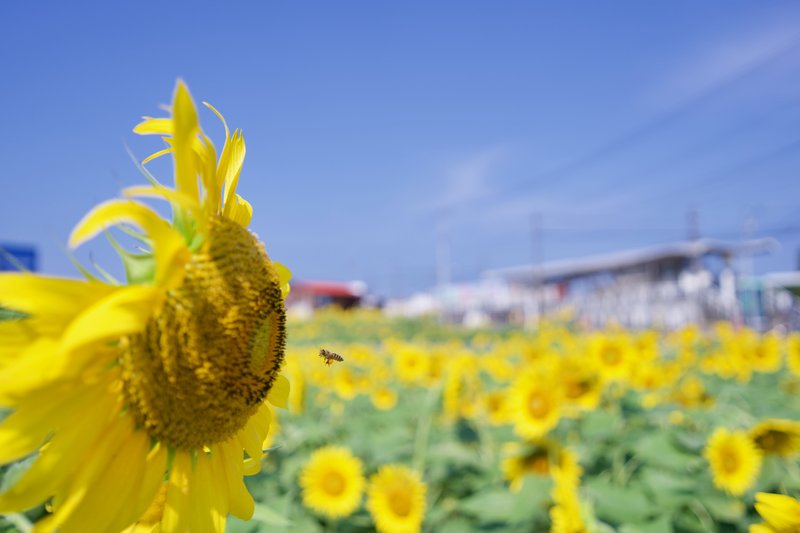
(581, 385)
(691, 393)
(614, 354)
(345, 384)
(765, 353)
(332, 482)
(412, 364)
(793, 353)
(535, 404)
(452, 391)
(396, 499)
(540, 457)
(735, 460)
(567, 515)
(494, 407)
(140, 398)
(383, 398)
(777, 436)
(781, 512)
(297, 378)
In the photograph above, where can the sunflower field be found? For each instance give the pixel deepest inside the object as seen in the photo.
(425, 427)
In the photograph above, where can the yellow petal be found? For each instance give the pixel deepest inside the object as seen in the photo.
(207, 163)
(233, 170)
(176, 198)
(57, 299)
(250, 441)
(240, 211)
(123, 313)
(155, 466)
(225, 124)
(37, 366)
(151, 466)
(16, 336)
(221, 477)
(781, 512)
(240, 503)
(91, 468)
(177, 506)
(284, 275)
(170, 250)
(251, 466)
(205, 515)
(185, 130)
(156, 155)
(279, 393)
(260, 422)
(56, 463)
(24, 431)
(94, 510)
(154, 126)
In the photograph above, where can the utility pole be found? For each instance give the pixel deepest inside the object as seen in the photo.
(692, 224)
(693, 235)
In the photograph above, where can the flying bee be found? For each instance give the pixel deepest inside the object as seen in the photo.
(329, 356)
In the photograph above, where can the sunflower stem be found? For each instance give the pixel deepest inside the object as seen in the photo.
(423, 431)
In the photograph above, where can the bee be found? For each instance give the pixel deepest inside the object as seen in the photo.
(330, 357)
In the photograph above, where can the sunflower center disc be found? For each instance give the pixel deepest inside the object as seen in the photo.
(400, 502)
(333, 483)
(209, 356)
(537, 405)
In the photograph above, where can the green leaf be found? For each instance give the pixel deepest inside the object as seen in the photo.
(489, 506)
(620, 505)
(660, 525)
(466, 432)
(15, 471)
(452, 452)
(8, 314)
(657, 450)
(139, 268)
(456, 525)
(19, 521)
(669, 490)
(600, 424)
(268, 516)
(723, 508)
(532, 500)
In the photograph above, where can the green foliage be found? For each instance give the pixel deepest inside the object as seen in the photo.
(643, 471)
(8, 314)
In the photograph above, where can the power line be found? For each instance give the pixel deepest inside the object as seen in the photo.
(631, 137)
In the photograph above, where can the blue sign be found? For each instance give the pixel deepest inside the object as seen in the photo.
(17, 257)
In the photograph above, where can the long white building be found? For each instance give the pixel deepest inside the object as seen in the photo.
(661, 286)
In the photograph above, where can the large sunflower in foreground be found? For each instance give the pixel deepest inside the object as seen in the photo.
(141, 399)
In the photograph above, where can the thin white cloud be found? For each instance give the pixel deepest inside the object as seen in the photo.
(469, 180)
(723, 61)
(519, 209)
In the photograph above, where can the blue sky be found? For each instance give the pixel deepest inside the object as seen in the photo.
(373, 127)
